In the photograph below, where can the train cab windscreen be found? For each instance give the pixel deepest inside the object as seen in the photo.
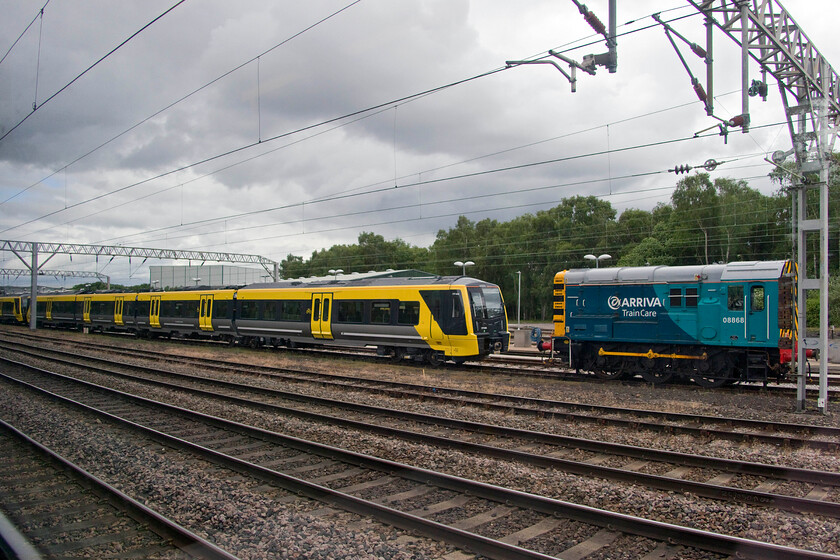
(488, 310)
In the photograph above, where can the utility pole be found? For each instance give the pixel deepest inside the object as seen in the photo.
(810, 91)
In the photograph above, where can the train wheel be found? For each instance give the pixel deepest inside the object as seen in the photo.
(715, 379)
(655, 372)
(435, 358)
(658, 376)
(397, 355)
(619, 371)
(712, 374)
(607, 374)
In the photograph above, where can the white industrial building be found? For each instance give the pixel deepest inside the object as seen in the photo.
(212, 275)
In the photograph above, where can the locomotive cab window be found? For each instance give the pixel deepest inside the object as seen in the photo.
(486, 303)
(757, 298)
(735, 298)
(691, 297)
(675, 297)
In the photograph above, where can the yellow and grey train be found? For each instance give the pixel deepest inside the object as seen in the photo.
(431, 319)
(13, 308)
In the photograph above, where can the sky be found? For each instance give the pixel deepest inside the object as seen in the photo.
(283, 128)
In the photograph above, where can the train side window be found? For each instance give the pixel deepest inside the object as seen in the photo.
(269, 312)
(291, 310)
(248, 310)
(691, 297)
(380, 313)
(221, 309)
(316, 310)
(675, 296)
(409, 313)
(349, 311)
(326, 316)
(735, 298)
(757, 298)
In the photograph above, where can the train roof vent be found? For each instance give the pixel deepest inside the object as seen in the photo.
(753, 270)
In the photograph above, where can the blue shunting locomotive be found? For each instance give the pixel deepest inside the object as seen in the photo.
(713, 324)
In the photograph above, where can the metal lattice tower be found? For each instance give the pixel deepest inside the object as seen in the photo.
(35, 249)
(810, 91)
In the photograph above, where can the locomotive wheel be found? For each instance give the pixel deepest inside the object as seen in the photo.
(608, 374)
(658, 375)
(711, 381)
(714, 374)
(656, 372)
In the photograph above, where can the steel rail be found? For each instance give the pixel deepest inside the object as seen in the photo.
(546, 408)
(695, 538)
(729, 465)
(503, 364)
(434, 391)
(707, 490)
(180, 536)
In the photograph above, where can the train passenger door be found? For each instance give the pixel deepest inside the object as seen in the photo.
(154, 312)
(85, 310)
(320, 318)
(757, 328)
(205, 313)
(118, 310)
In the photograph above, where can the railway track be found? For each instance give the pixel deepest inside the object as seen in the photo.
(486, 519)
(59, 510)
(699, 426)
(514, 363)
(799, 490)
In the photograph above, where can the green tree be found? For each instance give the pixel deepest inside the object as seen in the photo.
(696, 213)
(651, 251)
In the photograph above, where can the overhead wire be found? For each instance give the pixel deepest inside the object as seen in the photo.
(88, 69)
(183, 98)
(347, 195)
(39, 14)
(387, 104)
(368, 186)
(481, 196)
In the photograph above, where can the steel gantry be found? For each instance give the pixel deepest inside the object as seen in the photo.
(18, 272)
(810, 91)
(35, 249)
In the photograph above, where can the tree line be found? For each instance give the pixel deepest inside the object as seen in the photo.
(705, 221)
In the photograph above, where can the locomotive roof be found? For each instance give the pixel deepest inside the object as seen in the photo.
(746, 270)
(359, 282)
